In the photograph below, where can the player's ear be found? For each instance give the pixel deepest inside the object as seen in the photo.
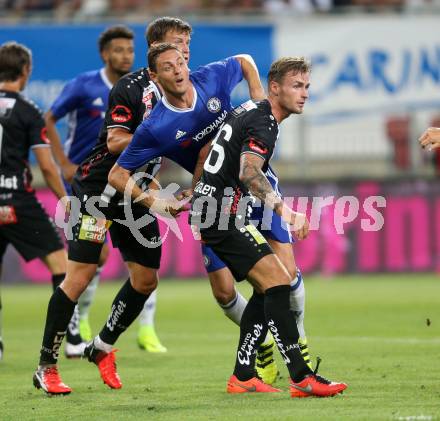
(105, 55)
(153, 75)
(274, 88)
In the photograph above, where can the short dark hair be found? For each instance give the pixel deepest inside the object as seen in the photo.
(13, 59)
(117, 31)
(156, 51)
(157, 29)
(284, 65)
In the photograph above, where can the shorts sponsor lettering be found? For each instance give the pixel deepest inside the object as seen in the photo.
(93, 229)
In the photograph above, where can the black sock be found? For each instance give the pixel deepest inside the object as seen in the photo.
(253, 331)
(279, 319)
(57, 279)
(126, 306)
(72, 333)
(59, 312)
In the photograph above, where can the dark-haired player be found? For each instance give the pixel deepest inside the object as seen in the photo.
(131, 100)
(233, 176)
(84, 101)
(23, 221)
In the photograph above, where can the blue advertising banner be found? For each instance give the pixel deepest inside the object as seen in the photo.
(61, 52)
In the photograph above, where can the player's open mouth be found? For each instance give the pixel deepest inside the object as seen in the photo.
(179, 81)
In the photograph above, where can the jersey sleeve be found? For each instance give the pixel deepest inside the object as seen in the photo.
(68, 100)
(122, 104)
(227, 72)
(37, 133)
(143, 148)
(261, 133)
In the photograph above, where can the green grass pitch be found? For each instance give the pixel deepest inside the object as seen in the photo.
(380, 334)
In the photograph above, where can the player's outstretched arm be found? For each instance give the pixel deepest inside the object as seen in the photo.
(252, 176)
(118, 139)
(50, 171)
(430, 139)
(252, 77)
(67, 167)
(123, 182)
(198, 170)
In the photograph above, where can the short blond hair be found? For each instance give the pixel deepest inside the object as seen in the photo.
(284, 65)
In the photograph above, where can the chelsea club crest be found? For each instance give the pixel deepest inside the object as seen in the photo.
(214, 105)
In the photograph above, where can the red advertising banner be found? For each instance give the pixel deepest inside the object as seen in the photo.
(356, 226)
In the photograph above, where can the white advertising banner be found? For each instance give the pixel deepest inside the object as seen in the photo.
(364, 65)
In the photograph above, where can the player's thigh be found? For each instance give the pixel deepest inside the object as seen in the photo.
(268, 272)
(56, 262)
(105, 251)
(78, 277)
(284, 251)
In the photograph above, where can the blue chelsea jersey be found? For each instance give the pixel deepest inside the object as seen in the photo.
(179, 134)
(84, 100)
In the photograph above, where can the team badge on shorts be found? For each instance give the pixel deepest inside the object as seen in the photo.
(214, 105)
(206, 260)
(93, 229)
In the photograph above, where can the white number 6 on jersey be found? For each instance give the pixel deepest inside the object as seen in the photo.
(218, 149)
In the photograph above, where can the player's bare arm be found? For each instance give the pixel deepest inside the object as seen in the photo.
(50, 171)
(121, 180)
(203, 154)
(252, 77)
(68, 168)
(252, 176)
(118, 139)
(430, 139)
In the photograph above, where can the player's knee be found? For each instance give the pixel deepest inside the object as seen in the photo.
(222, 285)
(224, 297)
(74, 287)
(292, 270)
(145, 284)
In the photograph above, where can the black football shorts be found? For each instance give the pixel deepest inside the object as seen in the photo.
(240, 249)
(25, 224)
(139, 244)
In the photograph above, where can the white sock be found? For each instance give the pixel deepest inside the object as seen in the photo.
(146, 318)
(100, 344)
(234, 309)
(86, 298)
(297, 302)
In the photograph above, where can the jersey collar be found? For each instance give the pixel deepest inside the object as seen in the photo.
(105, 78)
(181, 110)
